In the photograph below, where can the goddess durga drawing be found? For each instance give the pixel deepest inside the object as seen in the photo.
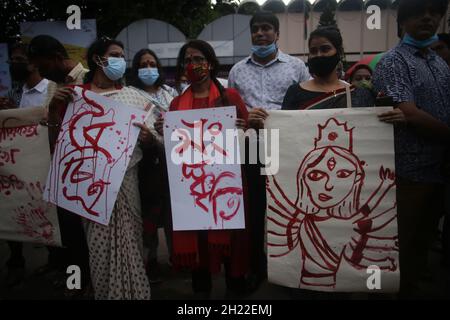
(327, 222)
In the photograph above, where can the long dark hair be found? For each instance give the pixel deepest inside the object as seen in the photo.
(99, 48)
(135, 81)
(208, 51)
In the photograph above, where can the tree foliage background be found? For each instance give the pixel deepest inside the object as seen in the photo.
(327, 18)
(189, 16)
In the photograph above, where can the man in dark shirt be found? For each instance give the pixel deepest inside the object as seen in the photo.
(442, 47)
(419, 84)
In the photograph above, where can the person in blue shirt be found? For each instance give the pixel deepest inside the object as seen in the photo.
(418, 82)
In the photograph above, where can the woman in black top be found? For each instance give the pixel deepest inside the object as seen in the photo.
(325, 90)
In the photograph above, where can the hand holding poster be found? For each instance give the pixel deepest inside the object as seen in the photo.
(204, 174)
(24, 164)
(332, 206)
(92, 153)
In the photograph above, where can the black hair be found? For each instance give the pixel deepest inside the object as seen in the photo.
(135, 81)
(46, 46)
(208, 51)
(411, 8)
(265, 16)
(332, 34)
(99, 48)
(445, 37)
(359, 67)
(19, 46)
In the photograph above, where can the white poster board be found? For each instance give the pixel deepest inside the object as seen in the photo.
(92, 153)
(24, 165)
(332, 206)
(204, 171)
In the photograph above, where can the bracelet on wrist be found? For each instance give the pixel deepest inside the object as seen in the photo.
(49, 124)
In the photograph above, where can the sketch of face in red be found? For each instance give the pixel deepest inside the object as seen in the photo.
(329, 184)
(331, 176)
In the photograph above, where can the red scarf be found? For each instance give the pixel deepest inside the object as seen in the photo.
(185, 243)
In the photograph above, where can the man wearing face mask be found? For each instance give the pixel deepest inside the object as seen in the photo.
(262, 80)
(419, 84)
(30, 91)
(53, 62)
(35, 87)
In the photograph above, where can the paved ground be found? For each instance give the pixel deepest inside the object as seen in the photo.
(177, 286)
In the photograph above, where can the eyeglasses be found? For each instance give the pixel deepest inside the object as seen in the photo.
(194, 60)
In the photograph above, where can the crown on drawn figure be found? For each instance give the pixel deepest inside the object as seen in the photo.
(334, 134)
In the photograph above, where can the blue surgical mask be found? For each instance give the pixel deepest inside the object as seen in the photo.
(148, 75)
(184, 86)
(419, 43)
(115, 69)
(264, 51)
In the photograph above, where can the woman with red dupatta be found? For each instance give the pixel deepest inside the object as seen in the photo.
(203, 252)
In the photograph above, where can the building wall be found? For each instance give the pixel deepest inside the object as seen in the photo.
(358, 39)
(233, 32)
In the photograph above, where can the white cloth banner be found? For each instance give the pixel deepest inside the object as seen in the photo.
(331, 219)
(92, 153)
(24, 165)
(204, 171)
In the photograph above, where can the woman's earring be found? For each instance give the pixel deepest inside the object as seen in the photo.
(99, 62)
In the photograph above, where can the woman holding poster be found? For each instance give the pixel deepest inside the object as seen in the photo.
(325, 90)
(115, 250)
(203, 252)
(147, 75)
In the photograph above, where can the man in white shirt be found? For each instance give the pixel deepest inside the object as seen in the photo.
(34, 96)
(262, 79)
(31, 89)
(33, 93)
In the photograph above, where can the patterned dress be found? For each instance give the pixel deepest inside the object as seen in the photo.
(116, 254)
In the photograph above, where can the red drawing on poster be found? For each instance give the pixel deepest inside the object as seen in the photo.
(9, 183)
(8, 156)
(23, 131)
(79, 154)
(211, 192)
(329, 184)
(32, 216)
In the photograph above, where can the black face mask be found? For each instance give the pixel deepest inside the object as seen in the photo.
(19, 71)
(323, 66)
